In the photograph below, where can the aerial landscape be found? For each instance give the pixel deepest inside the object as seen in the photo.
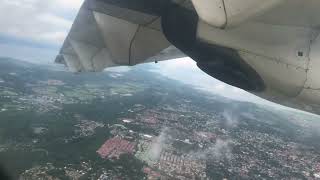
(139, 124)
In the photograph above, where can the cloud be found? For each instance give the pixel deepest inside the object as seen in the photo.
(159, 144)
(69, 4)
(231, 118)
(34, 30)
(220, 87)
(220, 150)
(38, 21)
(120, 69)
(248, 115)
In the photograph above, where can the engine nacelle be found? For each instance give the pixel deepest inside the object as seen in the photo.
(276, 62)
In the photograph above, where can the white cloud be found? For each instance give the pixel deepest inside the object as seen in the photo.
(220, 150)
(220, 87)
(37, 21)
(231, 118)
(69, 4)
(120, 69)
(158, 145)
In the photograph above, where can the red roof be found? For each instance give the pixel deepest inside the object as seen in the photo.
(116, 146)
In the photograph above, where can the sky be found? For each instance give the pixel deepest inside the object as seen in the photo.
(34, 30)
(179, 68)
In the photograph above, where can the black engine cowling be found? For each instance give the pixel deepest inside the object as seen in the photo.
(180, 27)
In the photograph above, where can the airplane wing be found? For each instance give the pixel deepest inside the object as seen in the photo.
(116, 33)
(270, 48)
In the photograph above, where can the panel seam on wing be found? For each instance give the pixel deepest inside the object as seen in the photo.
(272, 59)
(131, 43)
(225, 12)
(312, 39)
(122, 18)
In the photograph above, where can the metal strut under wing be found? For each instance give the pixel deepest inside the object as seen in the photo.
(110, 33)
